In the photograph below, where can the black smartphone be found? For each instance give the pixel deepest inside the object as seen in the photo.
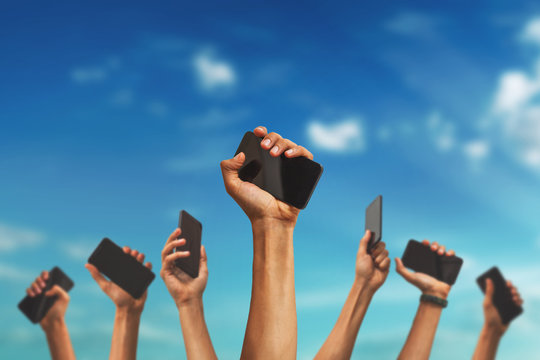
(420, 258)
(374, 221)
(289, 180)
(35, 308)
(502, 297)
(121, 268)
(192, 232)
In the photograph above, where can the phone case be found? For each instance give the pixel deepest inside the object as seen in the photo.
(420, 258)
(121, 268)
(289, 180)
(35, 308)
(192, 232)
(374, 221)
(502, 297)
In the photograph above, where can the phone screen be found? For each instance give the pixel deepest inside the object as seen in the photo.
(35, 308)
(502, 297)
(420, 258)
(289, 180)
(192, 232)
(374, 221)
(121, 268)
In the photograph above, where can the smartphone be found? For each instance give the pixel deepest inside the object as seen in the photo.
(121, 268)
(420, 258)
(289, 180)
(502, 297)
(35, 308)
(374, 221)
(192, 232)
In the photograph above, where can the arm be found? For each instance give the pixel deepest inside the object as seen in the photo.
(187, 294)
(422, 333)
(271, 329)
(128, 312)
(371, 272)
(493, 328)
(53, 323)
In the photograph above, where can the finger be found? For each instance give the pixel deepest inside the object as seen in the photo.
(490, 290)
(270, 140)
(169, 247)
(229, 169)
(170, 259)
(299, 151)
(148, 265)
(509, 283)
(36, 288)
(520, 301)
(140, 257)
(57, 291)
(441, 250)
(385, 264)
(362, 249)
(174, 235)
(379, 248)
(126, 249)
(403, 271)
(30, 292)
(96, 275)
(40, 282)
(451, 253)
(434, 246)
(203, 264)
(260, 131)
(381, 257)
(425, 242)
(281, 146)
(45, 275)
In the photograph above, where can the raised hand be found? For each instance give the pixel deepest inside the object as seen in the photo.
(119, 296)
(372, 269)
(427, 284)
(491, 315)
(58, 310)
(182, 287)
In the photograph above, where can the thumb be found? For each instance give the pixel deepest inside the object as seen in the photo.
(402, 270)
(57, 291)
(229, 169)
(364, 242)
(100, 279)
(490, 290)
(204, 260)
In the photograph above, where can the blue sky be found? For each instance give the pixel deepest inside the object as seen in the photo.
(114, 117)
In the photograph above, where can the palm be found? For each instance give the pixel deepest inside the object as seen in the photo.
(184, 287)
(426, 283)
(57, 311)
(258, 203)
(121, 298)
(365, 268)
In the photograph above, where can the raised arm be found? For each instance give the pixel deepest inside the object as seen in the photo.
(371, 272)
(187, 294)
(128, 312)
(271, 329)
(493, 329)
(53, 323)
(422, 333)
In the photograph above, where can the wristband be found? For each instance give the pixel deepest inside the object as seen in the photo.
(434, 300)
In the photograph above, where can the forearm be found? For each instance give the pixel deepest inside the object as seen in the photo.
(125, 335)
(196, 337)
(59, 341)
(420, 339)
(340, 342)
(273, 307)
(488, 342)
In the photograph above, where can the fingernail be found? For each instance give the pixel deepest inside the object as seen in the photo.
(275, 149)
(290, 151)
(259, 128)
(237, 156)
(266, 142)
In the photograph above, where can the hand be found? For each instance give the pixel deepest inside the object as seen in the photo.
(122, 299)
(427, 284)
(182, 287)
(373, 268)
(491, 315)
(58, 310)
(257, 203)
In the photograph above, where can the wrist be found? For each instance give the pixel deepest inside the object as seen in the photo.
(128, 311)
(267, 224)
(188, 303)
(493, 330)
(50, 325)
(437, 292)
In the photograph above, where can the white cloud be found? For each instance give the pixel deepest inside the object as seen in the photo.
(13, 273)
(13, 238)
(88, 75)
(343, 136)
(442, 132)
(213, 73)
(158, 109)
(122, 97)
(412, 23)
(476, 150)
(515, 89)
(531, 32)
(157, 333)
(78, 250)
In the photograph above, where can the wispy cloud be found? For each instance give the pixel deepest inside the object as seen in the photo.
(344, 135)
(88, 75)
(122, 98)
(213, 73)
(217, 117)
(158, 109)
(442, 132)
(13, 273)
(476, 149)
(531, 31)
(78, 250)
(411, 23)
(316, 299)
(13, 238)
